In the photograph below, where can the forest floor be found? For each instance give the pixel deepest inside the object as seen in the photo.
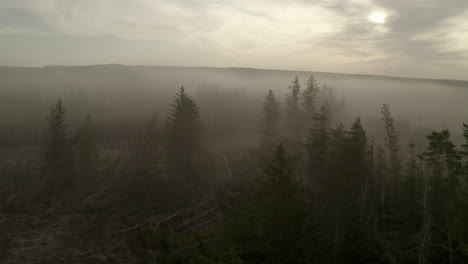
(63, 239)
(92, 238)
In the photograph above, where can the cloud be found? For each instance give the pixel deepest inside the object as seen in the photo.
(327, 35)
(451, 36)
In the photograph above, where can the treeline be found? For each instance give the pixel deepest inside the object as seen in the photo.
(312, 192)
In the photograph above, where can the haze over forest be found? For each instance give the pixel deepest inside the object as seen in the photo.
(222, 131)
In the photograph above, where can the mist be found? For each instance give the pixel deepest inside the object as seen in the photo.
(234, 132)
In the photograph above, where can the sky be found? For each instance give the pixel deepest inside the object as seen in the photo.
(414, 38)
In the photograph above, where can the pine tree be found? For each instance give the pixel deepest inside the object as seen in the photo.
(183, 137)
(86, 153)
(269, 122)
(292, 109)
(57, 175)
(309, 101)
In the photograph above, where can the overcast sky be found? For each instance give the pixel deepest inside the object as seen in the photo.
(419, 38)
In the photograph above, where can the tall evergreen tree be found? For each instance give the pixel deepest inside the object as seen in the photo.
(357, 155)
(465, 146)
(57, 175)
(309, 101)
(445, 165)
(183, 137)
(391, 142)
(269, 121)
(411, 193)
(292, 109)
(317, 150)
(328, 98)
(381, 187)
(283, 210)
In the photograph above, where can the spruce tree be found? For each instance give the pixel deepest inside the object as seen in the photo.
(357, 156)
(411, 193)
(292, 109)
(283, 210)
(445, 165)
(328, 98)
(317, 150)
(269, 121)
(465, 146)
(183, 137)
(309, 100)
(391, 142)
(57, 176)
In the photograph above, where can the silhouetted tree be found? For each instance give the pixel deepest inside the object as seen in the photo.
(309, 101)
(57, 175)
(465, 146)
(444, 162)
(391, 142)
(183, 138)
(317, 150)
(292, 109)
(283, 210)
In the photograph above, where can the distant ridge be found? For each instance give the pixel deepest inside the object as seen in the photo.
(248, 70)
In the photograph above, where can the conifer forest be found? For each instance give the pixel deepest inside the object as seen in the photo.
(312, 182)
(234, 131)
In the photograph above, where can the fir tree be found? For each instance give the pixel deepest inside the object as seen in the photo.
(391, 142)
(183, 138)
(309, 100)
(444, 162)
(465, 146)
(317, 150)
(357, 156)
(283, 210)
(58, 165)
(292, 109)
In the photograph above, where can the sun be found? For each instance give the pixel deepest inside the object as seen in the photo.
(378, 17)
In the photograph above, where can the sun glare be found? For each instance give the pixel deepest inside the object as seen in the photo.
(378, 17)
